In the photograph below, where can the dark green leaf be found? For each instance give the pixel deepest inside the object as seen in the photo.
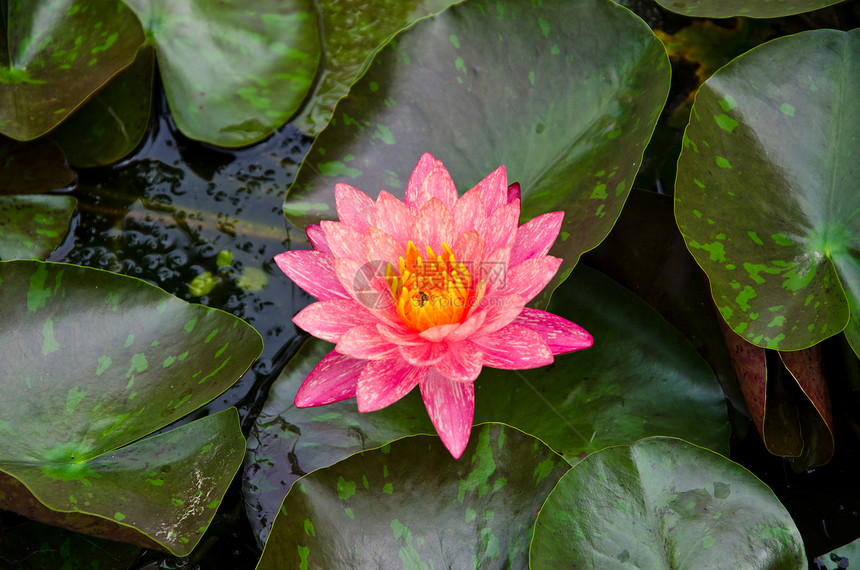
(32, 167)
(94, 361)
(54, 56)
(233, 72)
(663, 503)
(111, 124)
(565, 95)
(410, 505)
(641, 378)
(747, 8)
(765, 194)
(32, 226)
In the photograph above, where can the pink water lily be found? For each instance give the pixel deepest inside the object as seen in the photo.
(426, 292)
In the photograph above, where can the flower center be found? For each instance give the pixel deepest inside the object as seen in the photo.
(431, 290)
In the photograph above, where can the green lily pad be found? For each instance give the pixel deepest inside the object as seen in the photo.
(233, 72)
(564, 94)
(31, 227)
(53, 57)
(111, 124)
(352, 32)
(839, 558)
(765, 193)
(747, 8)
(640, 378)
(93, 362)
(32, 167)
(160, 492)
(475, 512)
(663, 503)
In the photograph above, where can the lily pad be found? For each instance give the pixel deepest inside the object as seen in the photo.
(475, 512)
(747, 8)
(31, 227)
(663, 503)
(839, 558)
(111, 124)
(352, 32)
(233, 72)
(53, 57)
(564, 94)
(640, 378)
(32, 167)
(765, 189)
(93, 362)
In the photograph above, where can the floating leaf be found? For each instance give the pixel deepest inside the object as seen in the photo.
(31, 227)
(839, 558)
(94, 361)
(640, 378)
(767, 157)
(32, 167)
(410, 505)
(565, 95)
(352, 32)
(747, 8)
(663, 503)
(54, 56)
(111, 125)
(233, 72)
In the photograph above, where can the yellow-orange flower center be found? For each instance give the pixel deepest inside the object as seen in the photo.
(429, 290)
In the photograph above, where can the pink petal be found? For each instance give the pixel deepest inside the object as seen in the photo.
(312, 271)
(430, 179)
(329, 320)
(399, 334)
(451, 407)
(365, 282)
(469, 213)
(469, 249)
(394, 218)
(493, 190)
(494, 270)
(438, 333)
(366, 343)
(425, 354)
(383, 382)
(501, 227)
(499, 311)
(462, 362)
(560, 334)
(380, 246)
(467, 328)
(514, 192)
(433, 225)
(514, 347)
(316, 236)
(535, 237)
(354, 207)
(530, 277)
(334, 379)
(344, 240)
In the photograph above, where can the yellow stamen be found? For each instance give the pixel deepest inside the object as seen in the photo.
(429, 290)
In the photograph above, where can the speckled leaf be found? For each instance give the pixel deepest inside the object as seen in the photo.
(93, 361)
(32, 226)
(410, 505)
(162, 491)
(235, 71)
(840, 558)
(765, 194)
(111, 124)
(32, 167)
(352, 31)
(564, 94)
(53, 56)
(663, 503)
(640, 378)
(747, 8)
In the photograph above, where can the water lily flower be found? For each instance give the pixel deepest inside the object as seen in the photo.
(426, 292)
